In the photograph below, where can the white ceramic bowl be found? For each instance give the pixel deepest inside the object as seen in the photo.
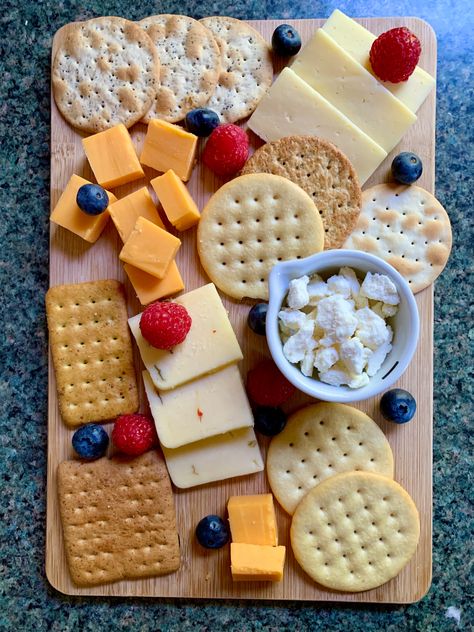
(406, 323)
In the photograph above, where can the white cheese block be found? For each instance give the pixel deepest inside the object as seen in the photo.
(210, 345)
(327, 68)
(292, 107)
(205, 407)
(357, 41)
(234, 453)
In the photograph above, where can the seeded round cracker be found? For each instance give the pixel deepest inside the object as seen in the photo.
(320, 441)
(247, 69)
(324, 172)
(355, 531)
(105, 72)
(407, 227)
(248, 225)
(190, 65)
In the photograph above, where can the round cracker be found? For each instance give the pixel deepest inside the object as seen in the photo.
(322, 440)
(190, 65)
(324, 172)
(407, 227)
(355, 531)
(248, 225)
(105, 72)
(247, 68)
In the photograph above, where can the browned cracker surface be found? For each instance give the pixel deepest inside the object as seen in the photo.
(92, 351)
(118, 519)
(321, 170)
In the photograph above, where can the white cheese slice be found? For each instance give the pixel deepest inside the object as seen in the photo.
(205, 407)
(327, 68)
(235, 453)
(210, 345)
(291, 106)
(357, 41)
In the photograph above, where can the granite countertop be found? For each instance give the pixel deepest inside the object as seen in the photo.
(27, 602)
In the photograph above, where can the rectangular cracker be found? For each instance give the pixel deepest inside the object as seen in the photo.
(92, 351)
(118, 519)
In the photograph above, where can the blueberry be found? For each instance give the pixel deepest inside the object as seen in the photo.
(407, 167)
(90, 442)
(269, 421)
(398, 405)
(201, 121)
(212, 532)
(286, 40)
(256, 318)
(92, 199)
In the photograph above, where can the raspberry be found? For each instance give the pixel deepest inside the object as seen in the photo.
(165, 325)
(395, 54)
(134, 434)
(226, 150)
(266, 386)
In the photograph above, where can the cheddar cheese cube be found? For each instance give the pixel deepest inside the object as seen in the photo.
(149, 288)
(67, 214)
(256, 562)
(150, 248)
(252, 519)
(180, 208)
(169, 146)
(112, 157)
(127, 210)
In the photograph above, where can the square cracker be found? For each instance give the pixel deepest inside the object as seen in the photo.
(118, 519)
(92, 351)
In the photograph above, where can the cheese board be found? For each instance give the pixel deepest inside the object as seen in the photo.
(204, 573)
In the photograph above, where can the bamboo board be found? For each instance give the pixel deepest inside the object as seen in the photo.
(206, 574)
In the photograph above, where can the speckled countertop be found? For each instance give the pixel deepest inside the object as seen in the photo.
(27, 602)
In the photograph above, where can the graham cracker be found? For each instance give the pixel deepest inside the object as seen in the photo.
(324, 172)
(92, 351)
(118, 519)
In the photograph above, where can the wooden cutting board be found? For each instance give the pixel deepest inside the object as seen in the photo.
(206, 574)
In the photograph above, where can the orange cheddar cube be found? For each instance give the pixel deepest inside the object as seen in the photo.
(256, 562)
(148, 288)
(252, 519)
(127, 210)
(169, 146)
(180, 208)
(67, 214)
(112, 157)
(150, 248)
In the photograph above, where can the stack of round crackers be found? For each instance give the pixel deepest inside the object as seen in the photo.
(110, 70)
(353, 527)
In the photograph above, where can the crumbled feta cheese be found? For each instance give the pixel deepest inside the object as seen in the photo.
(298, 295)
(317, 290)
(371, 329)
(325, 358)
(358, 381)
(361, 301)
(339, 285)
(307, 364)
(354, 355)
(292, 319)
(336, 317)
(377, 357)
(377, 308)
(336, 376)
(350, 275)
(298, 344)
(379, 288)
(389, 310)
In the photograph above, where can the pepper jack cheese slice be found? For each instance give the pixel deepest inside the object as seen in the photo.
(252, 519)
(327, 68)
(255, 562)
(292, 107)
(150, 248)
(208, 406)
(235, 453)
(127, 210)
(210, 345)
(357, 42)
(112, 157)
(169, 146)
(67, 214)
(148, 288)
(179, 206)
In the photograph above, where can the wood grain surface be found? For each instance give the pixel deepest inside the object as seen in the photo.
(206, 574)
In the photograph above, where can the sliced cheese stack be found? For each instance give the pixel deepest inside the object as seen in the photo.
(197, 398)
(330, 91)
(254, 551)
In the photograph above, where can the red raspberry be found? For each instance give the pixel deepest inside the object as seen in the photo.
(395, 54)
(134, 434)
(226, 150)
(165, 324)
(266, 386)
